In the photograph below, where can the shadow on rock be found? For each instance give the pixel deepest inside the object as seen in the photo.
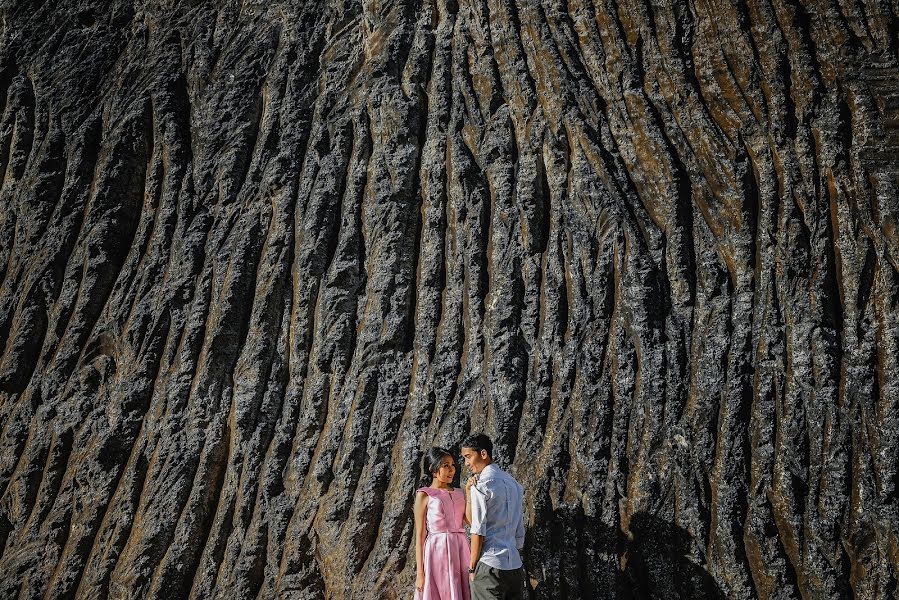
(573, 555)
(658, 563)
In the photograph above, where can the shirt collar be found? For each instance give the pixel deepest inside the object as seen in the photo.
(489, 469)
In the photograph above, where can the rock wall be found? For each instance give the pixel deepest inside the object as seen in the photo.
(256, 256)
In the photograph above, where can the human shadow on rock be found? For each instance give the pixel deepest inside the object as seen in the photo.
(570, 555)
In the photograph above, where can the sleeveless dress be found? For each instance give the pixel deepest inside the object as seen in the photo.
(446, 551)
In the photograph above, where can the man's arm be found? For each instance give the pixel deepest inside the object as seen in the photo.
(477, 544)
(478, 530)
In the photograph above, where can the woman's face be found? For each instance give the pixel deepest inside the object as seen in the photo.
(446, 470)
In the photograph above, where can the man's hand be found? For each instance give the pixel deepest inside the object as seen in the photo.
(471, 577)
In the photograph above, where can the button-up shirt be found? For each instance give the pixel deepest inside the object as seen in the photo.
(496, 514)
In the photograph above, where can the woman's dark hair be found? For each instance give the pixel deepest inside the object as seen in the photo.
(478, 442)
(431, 462)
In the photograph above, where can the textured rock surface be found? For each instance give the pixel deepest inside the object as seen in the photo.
(255, 257)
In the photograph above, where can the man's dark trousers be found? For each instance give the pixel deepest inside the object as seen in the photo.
(490, 583)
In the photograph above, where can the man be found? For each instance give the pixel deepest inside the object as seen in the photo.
(497, 524)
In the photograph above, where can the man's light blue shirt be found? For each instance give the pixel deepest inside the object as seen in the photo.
(496, 514)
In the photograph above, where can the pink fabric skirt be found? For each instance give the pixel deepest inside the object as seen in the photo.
(446, 557)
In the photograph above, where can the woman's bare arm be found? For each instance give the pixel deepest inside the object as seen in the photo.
(468, 485)
(419, 509)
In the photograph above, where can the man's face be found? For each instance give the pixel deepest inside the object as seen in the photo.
(474, 460)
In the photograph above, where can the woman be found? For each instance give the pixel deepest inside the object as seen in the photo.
(441, 549)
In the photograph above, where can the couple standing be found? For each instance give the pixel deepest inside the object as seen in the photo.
(492, 505)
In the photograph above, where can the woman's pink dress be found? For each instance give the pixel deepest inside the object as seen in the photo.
(446, 551)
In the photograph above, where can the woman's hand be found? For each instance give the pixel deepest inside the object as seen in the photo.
(420, 581)
(471, 481)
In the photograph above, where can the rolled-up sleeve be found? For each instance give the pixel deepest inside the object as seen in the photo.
(478, 511)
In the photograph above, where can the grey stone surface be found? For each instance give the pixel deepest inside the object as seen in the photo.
(256, 256)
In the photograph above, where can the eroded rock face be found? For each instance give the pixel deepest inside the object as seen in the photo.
(256, 257)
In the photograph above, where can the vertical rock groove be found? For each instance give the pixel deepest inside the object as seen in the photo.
(255, 257)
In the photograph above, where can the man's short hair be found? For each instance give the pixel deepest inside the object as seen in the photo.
(478, 442)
